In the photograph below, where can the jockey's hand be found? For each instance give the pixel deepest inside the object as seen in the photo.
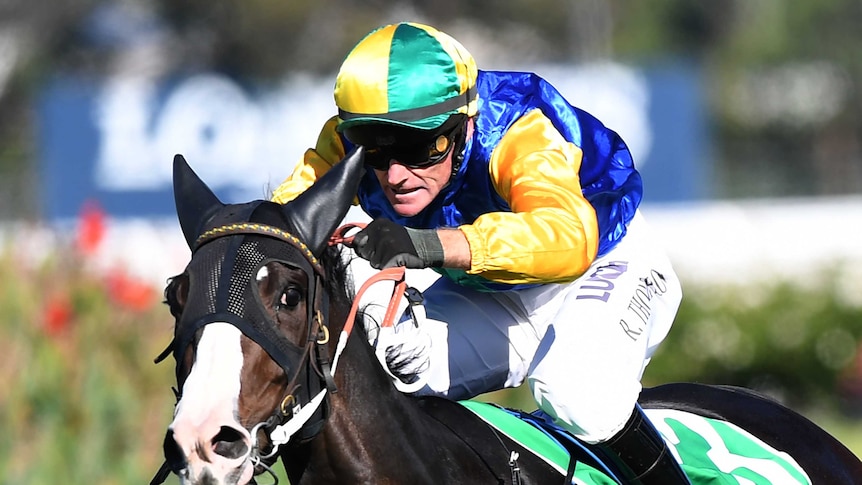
(386, 244)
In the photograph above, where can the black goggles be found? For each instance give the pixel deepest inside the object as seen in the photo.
(409, 147)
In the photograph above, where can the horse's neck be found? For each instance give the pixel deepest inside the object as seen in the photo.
(363, 385)
(367, 414)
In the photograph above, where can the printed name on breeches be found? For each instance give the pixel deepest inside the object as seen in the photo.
(600, 284)
(639, 306)
(601, 280)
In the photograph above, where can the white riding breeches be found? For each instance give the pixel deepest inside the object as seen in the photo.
(581, 346)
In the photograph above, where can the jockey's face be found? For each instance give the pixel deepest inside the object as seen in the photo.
(410, 190)
(411, 184)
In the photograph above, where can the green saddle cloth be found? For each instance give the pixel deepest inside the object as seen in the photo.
(710, 451)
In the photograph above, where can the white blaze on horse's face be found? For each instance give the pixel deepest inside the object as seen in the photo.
(205, 425)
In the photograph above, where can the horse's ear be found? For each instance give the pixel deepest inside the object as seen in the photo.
(316, 213)
(195, 202)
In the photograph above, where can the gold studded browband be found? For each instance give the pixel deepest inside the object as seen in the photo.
(263, 230)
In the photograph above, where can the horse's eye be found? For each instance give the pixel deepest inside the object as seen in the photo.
(176, 294)
(290, 298)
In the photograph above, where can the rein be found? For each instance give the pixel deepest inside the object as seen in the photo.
(301, 414)
(388, 274)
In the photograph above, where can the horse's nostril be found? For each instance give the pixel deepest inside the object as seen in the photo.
(230, 443)
(173, 453)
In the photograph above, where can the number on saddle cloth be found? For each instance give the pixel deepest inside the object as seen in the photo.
(710, 450)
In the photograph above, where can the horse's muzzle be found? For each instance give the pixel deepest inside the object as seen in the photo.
(219, 457)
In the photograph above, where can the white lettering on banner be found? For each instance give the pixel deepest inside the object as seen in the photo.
(250, 144)
(229, 138)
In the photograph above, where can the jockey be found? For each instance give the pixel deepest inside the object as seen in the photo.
(528, 208)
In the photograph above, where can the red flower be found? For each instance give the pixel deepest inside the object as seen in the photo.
(131, 293)
(58, 314)
(91, 228)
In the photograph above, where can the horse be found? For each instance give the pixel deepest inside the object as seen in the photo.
(272, 362)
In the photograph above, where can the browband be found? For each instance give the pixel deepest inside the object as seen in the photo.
(261, 229)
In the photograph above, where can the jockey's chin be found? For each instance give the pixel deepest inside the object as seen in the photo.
(411, 205)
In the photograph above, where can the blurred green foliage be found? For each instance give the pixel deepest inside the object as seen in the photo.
(797, 342)
(84, 403)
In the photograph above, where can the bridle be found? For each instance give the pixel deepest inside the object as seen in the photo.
(312, 354)
(298, 417)
(302, 411)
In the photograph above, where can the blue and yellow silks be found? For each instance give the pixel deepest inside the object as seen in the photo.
(542, 182)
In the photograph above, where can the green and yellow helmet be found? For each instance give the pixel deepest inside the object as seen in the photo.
(406, 74)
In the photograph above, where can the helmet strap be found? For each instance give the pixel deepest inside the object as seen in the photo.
(460, 144)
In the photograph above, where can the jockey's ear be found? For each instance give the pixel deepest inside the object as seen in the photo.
(195, 201)
(316, 213)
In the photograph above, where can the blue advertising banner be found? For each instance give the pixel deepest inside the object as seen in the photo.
(112, 142)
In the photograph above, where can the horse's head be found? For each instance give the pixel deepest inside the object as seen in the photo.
(252, 315)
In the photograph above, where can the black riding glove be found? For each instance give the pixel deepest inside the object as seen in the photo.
(386, 244)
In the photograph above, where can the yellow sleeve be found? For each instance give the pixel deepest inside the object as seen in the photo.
(317, 161)
(551, 235)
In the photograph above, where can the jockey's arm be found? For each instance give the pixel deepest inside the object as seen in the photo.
(551, 233)
(456, 249)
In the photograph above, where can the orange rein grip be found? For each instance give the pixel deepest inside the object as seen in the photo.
(340, 235)
(388, 274)
(391, 274)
